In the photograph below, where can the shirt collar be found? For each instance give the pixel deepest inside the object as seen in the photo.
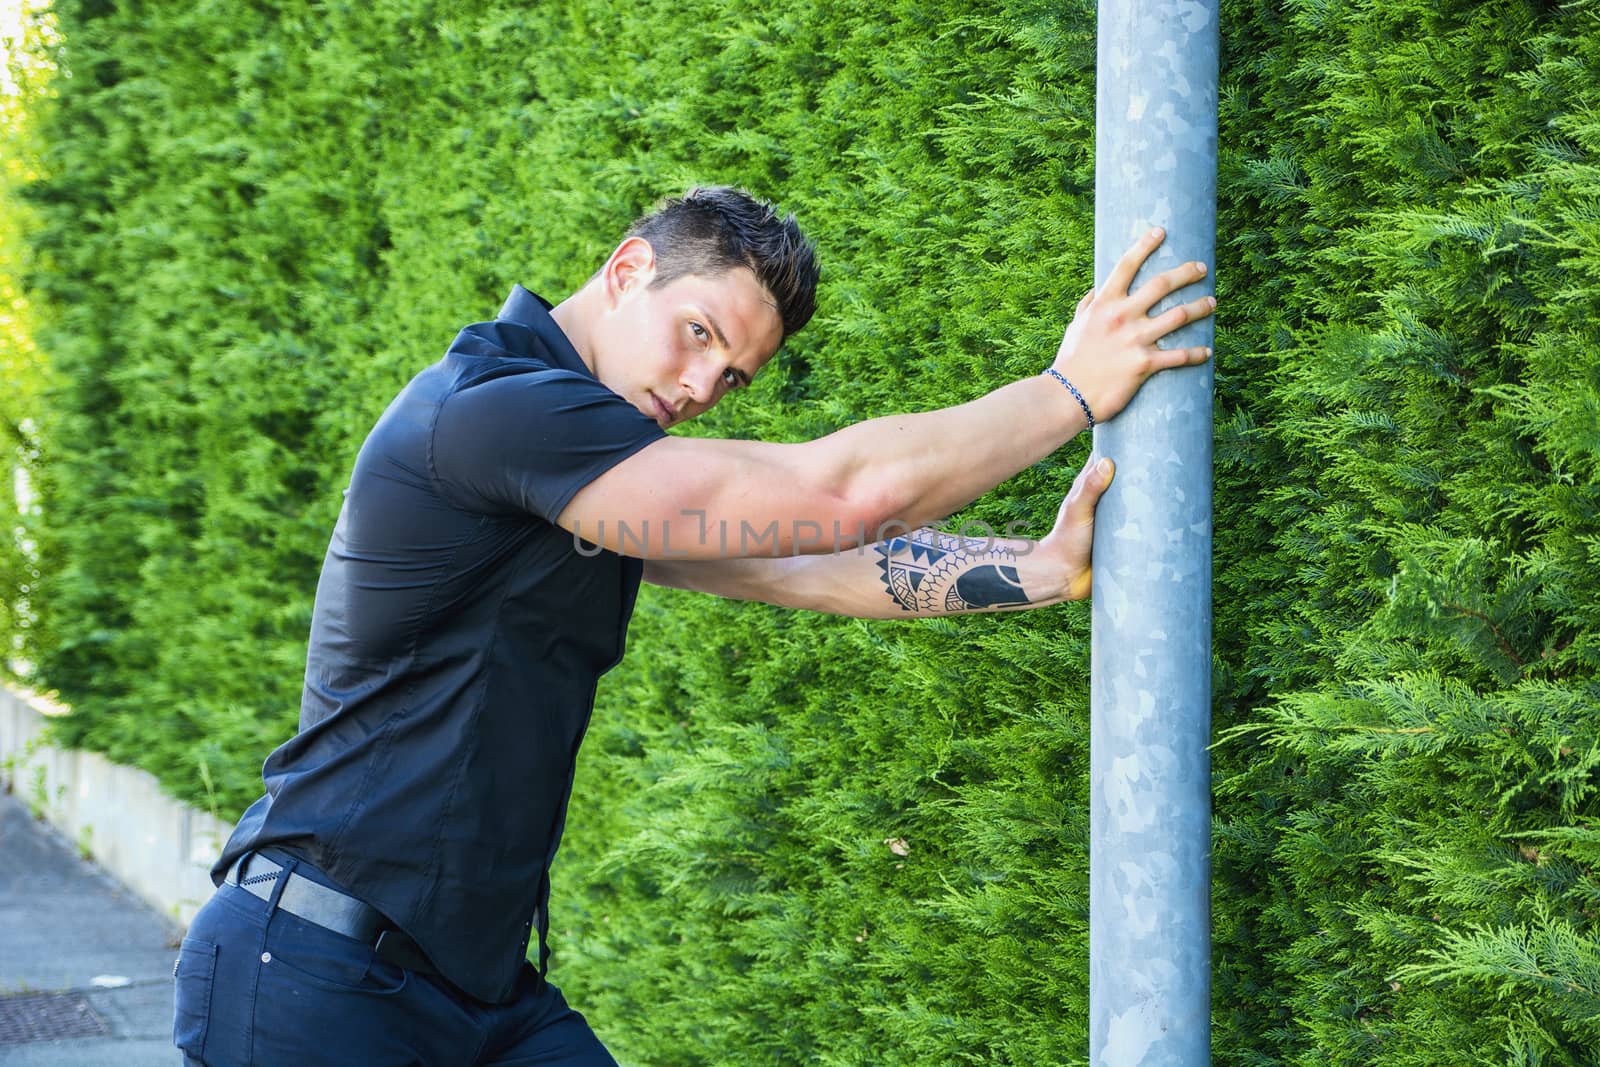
(533, 311)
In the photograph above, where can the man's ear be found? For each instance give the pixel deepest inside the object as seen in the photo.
(630, 270)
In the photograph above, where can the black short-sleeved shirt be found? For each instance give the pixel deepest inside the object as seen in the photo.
(456, 641)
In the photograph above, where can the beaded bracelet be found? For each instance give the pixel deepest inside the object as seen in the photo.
(1058, 376)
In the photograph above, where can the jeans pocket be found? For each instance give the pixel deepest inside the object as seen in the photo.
(317, 956)
(191, 995)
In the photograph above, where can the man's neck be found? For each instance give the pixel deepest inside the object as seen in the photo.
(572, 315)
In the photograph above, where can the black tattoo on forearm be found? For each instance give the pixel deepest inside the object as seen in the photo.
(935, 573)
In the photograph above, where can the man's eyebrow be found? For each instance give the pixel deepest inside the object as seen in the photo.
(715, 329)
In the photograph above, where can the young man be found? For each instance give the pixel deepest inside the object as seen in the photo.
(376, 905)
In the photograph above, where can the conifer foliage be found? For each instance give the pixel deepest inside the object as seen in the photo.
(808, 840)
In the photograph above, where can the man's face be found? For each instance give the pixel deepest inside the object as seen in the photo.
(675, 350)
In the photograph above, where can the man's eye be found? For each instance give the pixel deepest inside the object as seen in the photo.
(700, 333)
(730, 378)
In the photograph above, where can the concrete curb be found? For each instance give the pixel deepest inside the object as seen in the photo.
(159, 848)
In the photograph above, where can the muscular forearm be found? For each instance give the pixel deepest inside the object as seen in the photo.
(922, 467)
(924, 573)
(708, 499)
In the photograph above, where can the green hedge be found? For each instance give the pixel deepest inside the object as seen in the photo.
(24, 105)
(809, 840)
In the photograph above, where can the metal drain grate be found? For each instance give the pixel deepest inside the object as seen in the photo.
(28, 1017)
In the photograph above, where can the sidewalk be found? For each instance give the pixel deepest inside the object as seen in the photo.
(63, 925)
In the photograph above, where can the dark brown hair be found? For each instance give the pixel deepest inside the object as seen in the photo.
(712, 230)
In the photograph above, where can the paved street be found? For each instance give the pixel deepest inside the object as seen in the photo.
(79, 955)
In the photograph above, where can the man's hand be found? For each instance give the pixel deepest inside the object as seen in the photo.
(1071, 541)
(1110, 347)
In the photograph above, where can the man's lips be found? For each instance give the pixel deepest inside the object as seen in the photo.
(663, 412)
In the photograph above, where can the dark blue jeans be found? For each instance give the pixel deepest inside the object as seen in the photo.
(259, 987)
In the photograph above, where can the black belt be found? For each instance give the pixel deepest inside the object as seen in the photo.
(331, 909)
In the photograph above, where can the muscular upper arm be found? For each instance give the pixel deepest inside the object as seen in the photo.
(698, 498)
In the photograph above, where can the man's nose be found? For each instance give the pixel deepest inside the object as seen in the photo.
(700, 380)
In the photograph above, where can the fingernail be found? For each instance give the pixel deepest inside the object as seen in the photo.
(1201, 267)
(1156, 232)
(1211, 300)
(1103, 467)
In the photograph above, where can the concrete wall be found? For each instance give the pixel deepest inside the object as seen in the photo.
(154, 845)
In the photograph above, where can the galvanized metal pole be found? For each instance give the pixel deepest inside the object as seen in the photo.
(1150, 709)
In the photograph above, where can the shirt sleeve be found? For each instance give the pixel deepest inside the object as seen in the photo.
(528, 442)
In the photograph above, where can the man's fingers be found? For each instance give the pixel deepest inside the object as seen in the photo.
(1073, 536)
(1172, 318)
(1121, 276)
(1087, 488)
(1168, 281)
(1167, 358)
